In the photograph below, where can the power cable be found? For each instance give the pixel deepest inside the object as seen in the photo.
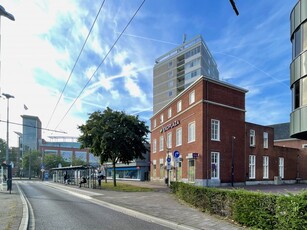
(101, 62)
(72, 70)
(32, 126)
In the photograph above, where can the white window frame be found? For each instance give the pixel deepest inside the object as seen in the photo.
(281, 167)
(252, 167)
(192, 97)
(215, 130)
(161, 118)
(266, 167)
(179, 136)
(154, 171)
(154, 146)
(215, 165)
(265, 140)
(191, 172)
(169, 140)
(155, 123)
(179, 106)
(161, 143)
(252, 138)
(191, 132)
(169, 113)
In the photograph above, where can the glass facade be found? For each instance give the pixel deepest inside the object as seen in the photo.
(298, 70)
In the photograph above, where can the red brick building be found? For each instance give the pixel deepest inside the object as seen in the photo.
(205, 126)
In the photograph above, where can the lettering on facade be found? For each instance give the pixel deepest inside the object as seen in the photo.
(170, 126)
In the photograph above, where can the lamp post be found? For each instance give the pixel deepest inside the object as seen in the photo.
(8, 96)
(8, 15)
(232, 160)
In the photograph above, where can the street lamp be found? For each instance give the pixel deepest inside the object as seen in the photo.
(8, 96)
(10, 16)
(232, 161)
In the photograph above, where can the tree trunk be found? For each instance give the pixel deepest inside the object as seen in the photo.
(114, 174)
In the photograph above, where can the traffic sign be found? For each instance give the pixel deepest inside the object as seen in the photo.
(176, 154)
(168, 159)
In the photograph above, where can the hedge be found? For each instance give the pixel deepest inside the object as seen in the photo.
(251, 209)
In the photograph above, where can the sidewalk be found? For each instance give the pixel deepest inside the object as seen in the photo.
(11, 209)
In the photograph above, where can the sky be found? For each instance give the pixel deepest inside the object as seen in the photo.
(41, 47)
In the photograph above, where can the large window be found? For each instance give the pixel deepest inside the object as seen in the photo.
(161, 118)
(154, 172)
(215, 165)
(192, 97)
(179, 171)
(252, 166)
(169, 140)
(161, 170)
(161, 143)
(154, 146)
(179, 106)
(215, 130)
(265, 140)
(169, 113)
(191, 170)
(179, 137)
(281, 167)
(252, 137)
(191, 132)
(155, 123)
(265, 167)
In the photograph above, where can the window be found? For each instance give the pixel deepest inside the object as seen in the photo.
(215, 130)
(192, 97)
(161, 143)
(265, 140)
(154, 172)
(191, 170)
(169, 140)
(154, 146)
(179, 170)
(155, 123)
(252, 137)
(170, 64)
(170, 74)
(296, 95)
(179, 104)
(252, 166)
(265, 167)
(170, 93)
(161, 170)
(215, 165)
(169, 113)
(281, 167)
(191, 132)
(178, 136)
(161, 118)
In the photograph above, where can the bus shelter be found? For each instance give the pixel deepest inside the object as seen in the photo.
(74, 174)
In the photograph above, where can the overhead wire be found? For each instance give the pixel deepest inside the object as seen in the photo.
(107, 54)
(75, 64)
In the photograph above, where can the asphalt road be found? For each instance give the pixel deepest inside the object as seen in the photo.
(59, 209)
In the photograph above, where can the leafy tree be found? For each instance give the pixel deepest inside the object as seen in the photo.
(52, 161)
(78, 161)
(35, 160)
(2, 150)
(114, 136)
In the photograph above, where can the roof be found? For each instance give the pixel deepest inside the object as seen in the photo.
(281, 131)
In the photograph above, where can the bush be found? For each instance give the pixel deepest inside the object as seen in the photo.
(252, 209)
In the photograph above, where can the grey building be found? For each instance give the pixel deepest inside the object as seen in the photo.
(176, 70)
(31, 133)
(298, 70)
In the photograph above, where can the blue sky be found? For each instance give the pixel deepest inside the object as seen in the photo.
(39, 50)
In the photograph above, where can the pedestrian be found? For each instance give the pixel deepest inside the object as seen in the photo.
(83, 181)
(65, 178)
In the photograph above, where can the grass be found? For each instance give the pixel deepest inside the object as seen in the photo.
(122, 187)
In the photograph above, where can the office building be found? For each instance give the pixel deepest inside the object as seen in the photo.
(298, 70)
(176, 70)
(31, 133)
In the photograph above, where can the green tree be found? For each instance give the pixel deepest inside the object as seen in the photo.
(52, 161)
(34, 159)
(2, 150)
(114, 136)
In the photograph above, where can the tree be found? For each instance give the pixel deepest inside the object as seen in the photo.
(52, 161)
(2, 150)
(114, 136)
(32, 160)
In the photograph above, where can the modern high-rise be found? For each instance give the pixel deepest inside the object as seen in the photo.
(31, 132)
(176, 70)
(298, 70)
